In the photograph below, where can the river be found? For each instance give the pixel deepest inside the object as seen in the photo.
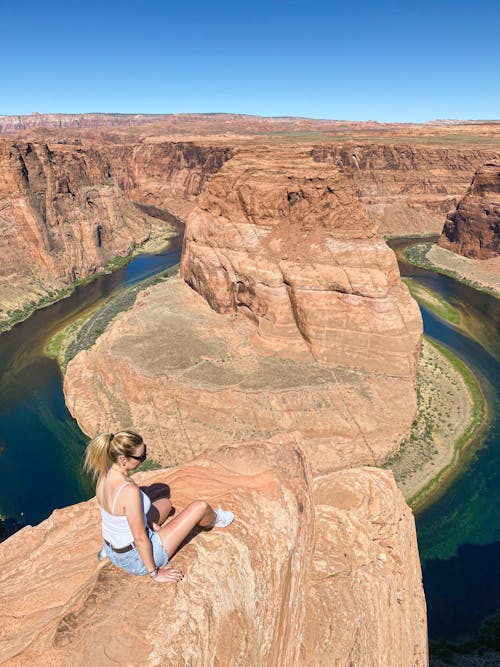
(41, 445)
(459, 534)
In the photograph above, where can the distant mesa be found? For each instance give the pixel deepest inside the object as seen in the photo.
(473, 228)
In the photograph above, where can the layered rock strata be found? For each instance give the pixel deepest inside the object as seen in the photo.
(189, 378)
(62, 215)
(165, 174)
(283, 240)
(473, 228)
(406, 189)
(304, 576)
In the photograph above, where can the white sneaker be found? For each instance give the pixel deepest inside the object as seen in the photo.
(223, 518)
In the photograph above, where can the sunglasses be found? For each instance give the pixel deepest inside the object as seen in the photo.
(140, 458)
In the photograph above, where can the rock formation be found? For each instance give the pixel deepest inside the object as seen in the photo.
(323, 575)
(406, 189)
(166, 174)
(473, 228)
(84, 172)
(191, 378)
(282, 239)
(315, 331)
(61, 217)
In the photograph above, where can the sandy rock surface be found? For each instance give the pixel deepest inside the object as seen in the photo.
(192, 378)
(304, 576)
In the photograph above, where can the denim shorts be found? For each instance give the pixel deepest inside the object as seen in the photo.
(131, 562)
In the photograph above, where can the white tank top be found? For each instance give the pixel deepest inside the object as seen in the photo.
(115, 529)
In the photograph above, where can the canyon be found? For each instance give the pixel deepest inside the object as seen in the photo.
(73, 188)
(272, 375)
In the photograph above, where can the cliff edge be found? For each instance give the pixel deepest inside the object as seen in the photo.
(324, 574)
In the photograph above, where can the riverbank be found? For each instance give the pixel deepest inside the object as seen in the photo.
(483, 275)
(452, 411)
(81, 333)
(43, 296)
(432, 301)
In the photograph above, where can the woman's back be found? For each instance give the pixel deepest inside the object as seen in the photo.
(115, 526)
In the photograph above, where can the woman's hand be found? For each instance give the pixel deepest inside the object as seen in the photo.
(169, 574)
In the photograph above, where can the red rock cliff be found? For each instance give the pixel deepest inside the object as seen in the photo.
(164, 173)
(473, 228)
(62, 216)
(406, 189)
(66, 208)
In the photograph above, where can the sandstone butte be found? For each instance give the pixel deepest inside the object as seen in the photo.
(302, 367)
(473, 228)
(310, 573)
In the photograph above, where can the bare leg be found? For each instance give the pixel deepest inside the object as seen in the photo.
(159, 512)
(161, 507)
(197, 513)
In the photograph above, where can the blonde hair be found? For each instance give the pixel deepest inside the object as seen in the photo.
(103, 450)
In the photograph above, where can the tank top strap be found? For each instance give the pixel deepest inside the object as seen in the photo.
(116, 496)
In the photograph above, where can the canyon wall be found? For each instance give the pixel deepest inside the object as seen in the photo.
(406, 189)
(61, 217)
(306, 575)
(165, 174)
(66, 209)
(473, 228)
(66, 196)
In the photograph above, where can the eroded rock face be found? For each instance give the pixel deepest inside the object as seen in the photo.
(62, 216)
(406, 189)
(473, 228)
(165, 174)
(355, 513)
(191, 378)
(282, 238)
(257, 593)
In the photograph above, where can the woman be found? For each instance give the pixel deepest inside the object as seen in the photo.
(129, 542)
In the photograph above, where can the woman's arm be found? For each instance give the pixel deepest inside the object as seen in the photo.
(135, 517)
(133, 510)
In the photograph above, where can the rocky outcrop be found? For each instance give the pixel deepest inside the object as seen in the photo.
(191, 378)
(406, 189)
(283, 240)
(473, 228)
(62, 216)
(305, 576)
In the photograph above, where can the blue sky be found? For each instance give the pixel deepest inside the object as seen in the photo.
(384, 61)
